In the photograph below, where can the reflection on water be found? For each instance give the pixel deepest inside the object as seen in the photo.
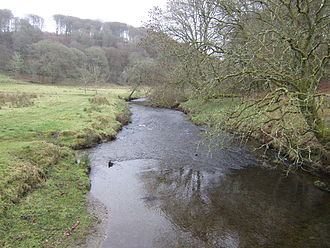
(165, 191)
(251, 207)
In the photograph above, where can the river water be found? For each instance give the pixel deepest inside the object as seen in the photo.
(167, 189)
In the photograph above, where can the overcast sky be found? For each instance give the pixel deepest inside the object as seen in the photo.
(132, 12)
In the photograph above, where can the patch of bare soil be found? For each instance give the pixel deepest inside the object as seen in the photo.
(98, 232)
(325, 86)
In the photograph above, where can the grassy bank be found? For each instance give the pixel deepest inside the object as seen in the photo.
(289, 137)
(42, 188)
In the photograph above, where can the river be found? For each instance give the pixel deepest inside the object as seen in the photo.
(166, 188)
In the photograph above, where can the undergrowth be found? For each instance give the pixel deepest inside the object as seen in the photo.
(166, 96)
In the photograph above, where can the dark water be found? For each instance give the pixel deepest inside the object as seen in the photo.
(168, 189)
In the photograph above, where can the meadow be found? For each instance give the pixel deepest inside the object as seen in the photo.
(42, 186)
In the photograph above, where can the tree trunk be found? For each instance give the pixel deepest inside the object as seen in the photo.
(309, 109)
(134, 89)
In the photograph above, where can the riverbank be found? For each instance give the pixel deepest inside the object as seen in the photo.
(42, 187)
(291, 140)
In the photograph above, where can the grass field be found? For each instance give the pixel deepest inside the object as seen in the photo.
(42, 188)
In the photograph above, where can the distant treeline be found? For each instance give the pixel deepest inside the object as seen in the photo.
(80, 49)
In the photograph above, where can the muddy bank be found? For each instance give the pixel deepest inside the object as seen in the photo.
(98, 231)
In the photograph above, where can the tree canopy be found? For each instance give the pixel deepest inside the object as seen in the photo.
(109, 42)
(277, 51)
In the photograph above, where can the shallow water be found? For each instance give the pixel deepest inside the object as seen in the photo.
(166, 188)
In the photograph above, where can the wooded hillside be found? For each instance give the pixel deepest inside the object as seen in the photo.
(80, 49)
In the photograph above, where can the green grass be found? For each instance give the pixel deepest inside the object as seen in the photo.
(215, 110)
(209, 112)
(42, 189)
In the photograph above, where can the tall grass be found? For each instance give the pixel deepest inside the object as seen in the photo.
(17, 100)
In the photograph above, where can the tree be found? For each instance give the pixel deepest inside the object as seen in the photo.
(117, 60)
(96, 65)
(5, 55)
(5, 18)
(189, 21)
(36, 21)
(281, 47)
(25, 35)
(55, 61)
(17, 63)
(182, 67)
(97, 62)
(85, 77)
(282, 44)
(141, 71)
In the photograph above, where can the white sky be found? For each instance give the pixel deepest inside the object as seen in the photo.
(133, 12)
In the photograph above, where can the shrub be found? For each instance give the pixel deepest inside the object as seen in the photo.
(167, 96)
(99, 100)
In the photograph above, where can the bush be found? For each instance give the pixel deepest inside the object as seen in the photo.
(167, 96)
(99, 100)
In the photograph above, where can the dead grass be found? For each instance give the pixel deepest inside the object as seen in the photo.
(17, 100)
(99, 100)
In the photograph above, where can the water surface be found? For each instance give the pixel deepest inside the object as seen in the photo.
(166, 189)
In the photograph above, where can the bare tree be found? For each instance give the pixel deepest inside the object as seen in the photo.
(5, 20)
(36, 21)
(281, 46)
(284, 45)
